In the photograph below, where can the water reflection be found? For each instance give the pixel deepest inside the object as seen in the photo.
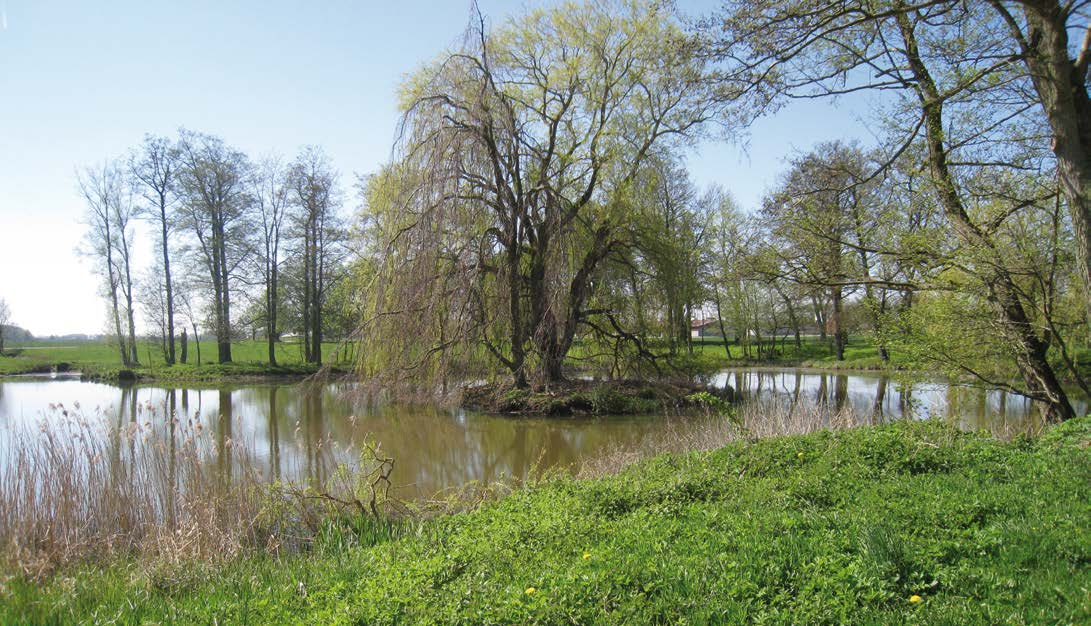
(882, 397)
(298, 432)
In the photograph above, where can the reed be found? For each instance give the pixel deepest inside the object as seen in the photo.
(75, 488)
(80, 487)
(723, 425)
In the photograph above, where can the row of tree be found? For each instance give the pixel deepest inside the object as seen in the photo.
(537, 203)
(266, 233)
(992, 99)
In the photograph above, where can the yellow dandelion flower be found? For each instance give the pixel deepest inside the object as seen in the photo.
(914, 599)
(530, 590)
(586, 555)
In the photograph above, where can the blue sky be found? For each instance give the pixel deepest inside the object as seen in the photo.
(81, 82)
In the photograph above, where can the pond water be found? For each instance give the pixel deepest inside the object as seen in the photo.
(298, 431)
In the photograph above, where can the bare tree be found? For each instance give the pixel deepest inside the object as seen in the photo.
(152, 298)
(124, 213)
(109, 211)
(271, 199)
(5, 319)
(154, 167)
(188, 308)
(214, 203)
(315, 198)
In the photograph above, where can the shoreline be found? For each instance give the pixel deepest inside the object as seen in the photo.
(594, 398)
(802, 528)
(240, 372)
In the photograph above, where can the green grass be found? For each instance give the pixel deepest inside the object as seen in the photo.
(861, 353)
(827, 528)
(250, 358)
(709, 355)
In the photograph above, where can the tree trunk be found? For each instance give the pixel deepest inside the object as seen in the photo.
(316, 326)
(197, 342)
(720, 320)
(840, 337)
(316, 292)
(578, 292)
(185, 346)
(880, 336)
(517, 364)
(271, 312)
(167, 281)
(307, 270)
(135, 360)
(819, 318)
(1030, 351)
(223, 330)
(111, 274)
(1062, 89)
(792, 318)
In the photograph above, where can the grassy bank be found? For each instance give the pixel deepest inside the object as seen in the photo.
(100, 359)
(905, 523)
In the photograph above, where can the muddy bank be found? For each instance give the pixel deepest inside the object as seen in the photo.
(586, 397)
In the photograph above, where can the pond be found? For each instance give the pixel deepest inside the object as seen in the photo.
(297, 431)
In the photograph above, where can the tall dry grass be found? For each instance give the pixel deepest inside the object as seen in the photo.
(748, 421)
(75, 488)
(82, 488)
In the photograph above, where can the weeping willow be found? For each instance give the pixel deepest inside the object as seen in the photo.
(512, 185)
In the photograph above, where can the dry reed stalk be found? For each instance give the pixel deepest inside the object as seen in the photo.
(77, 489)
(752, 420)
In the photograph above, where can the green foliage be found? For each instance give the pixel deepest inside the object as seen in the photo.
(712, 403)
(826, 528)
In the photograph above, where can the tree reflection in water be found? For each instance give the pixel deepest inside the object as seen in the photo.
(304, 432)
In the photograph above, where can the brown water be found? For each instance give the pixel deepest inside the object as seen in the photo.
(300, 431)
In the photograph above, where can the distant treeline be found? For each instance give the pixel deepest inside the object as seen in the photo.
(243, 248)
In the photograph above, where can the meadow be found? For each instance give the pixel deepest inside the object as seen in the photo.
(99, 358)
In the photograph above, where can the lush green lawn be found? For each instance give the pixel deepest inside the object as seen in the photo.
(906, 523)
(709, 354)
(861, 353)
(249, 358)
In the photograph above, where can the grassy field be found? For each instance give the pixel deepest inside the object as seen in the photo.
(909, 523)
(709, 354)
(861, 353)
(250, 358)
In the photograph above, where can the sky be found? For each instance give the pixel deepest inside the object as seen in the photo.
(82, 82)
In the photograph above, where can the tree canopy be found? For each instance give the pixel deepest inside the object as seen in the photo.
(514, 181)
